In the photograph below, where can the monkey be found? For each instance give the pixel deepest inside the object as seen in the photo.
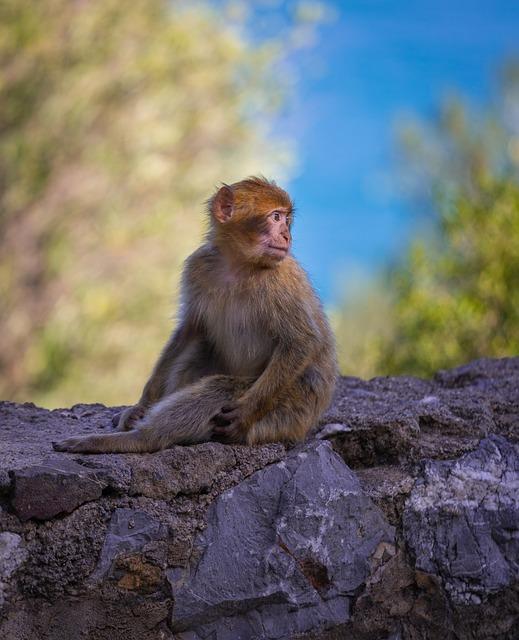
(252, 359)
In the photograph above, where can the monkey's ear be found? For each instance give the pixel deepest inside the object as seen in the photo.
(222, 205)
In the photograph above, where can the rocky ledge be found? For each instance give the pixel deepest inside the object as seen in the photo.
(397, 519)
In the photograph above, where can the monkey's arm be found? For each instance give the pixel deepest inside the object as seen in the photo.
(294, 352)
(287, 363)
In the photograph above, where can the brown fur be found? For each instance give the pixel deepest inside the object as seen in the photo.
(252, 335)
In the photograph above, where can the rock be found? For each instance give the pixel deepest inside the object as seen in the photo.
(283, 552)
(461, 521)
(54, 487)
(330, 430)
(398, 420)
(398, 518)
(12, 556)
(129, 530)
(186, 470)
(135, 574)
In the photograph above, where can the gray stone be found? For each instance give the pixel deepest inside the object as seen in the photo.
(54, 487)
(186, 470)
(397, 420)
(12, 556)
(462, 521)
(129, 530)
(283, 552)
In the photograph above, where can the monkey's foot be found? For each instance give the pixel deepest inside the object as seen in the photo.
(125, 442)
(79, 444)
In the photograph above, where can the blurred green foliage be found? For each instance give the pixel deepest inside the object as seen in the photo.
(454, 296)
(117, 119)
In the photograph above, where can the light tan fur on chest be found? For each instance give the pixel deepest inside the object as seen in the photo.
(237, 321)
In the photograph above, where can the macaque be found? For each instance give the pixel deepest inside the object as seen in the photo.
(252, 359)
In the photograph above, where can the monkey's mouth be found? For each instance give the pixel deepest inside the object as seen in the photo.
(283, 250)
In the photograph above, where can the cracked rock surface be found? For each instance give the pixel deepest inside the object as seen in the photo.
(397, 519)
(292, 544)
(461, 520)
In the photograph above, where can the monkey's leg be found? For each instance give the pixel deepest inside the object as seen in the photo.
(184, 417)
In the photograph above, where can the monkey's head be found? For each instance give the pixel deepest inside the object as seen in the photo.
(251, 222)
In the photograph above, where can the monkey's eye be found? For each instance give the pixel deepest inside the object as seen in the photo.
(276, 215)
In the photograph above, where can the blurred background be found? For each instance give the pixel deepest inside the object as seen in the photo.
(394, 124)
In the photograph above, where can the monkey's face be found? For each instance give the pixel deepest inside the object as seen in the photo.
(256, 237)
(275, 239)
(260, 236)
(252, 221)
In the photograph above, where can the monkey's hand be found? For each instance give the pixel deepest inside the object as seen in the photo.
(229, 425)
(126, 420)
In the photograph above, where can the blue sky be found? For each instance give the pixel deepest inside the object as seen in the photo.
(377, 61)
